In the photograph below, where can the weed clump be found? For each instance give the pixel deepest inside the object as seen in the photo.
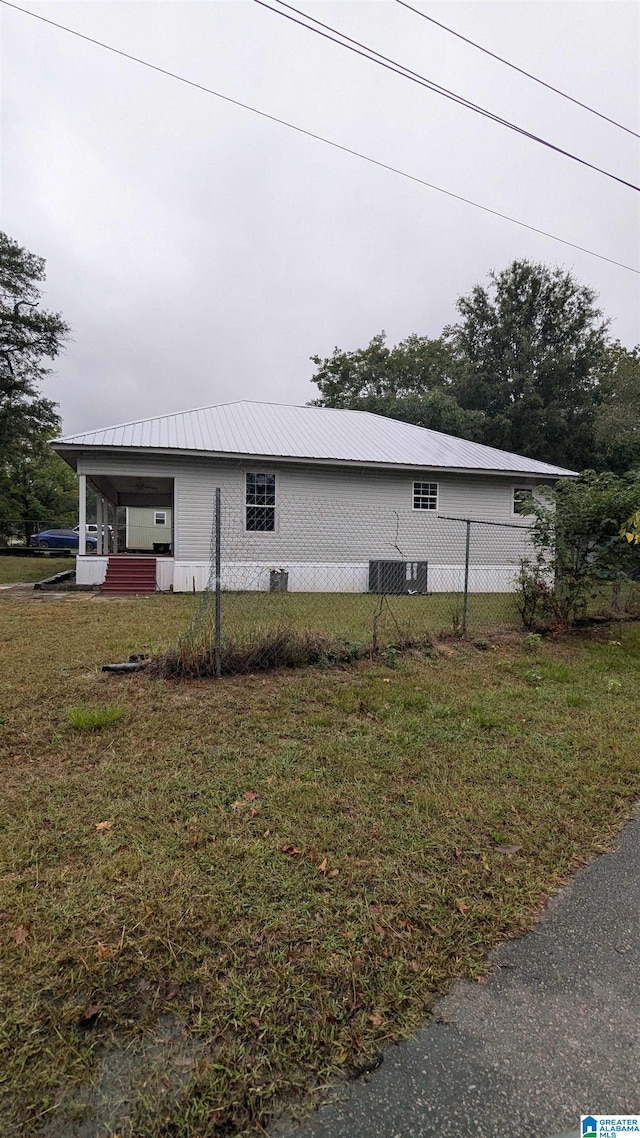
(94, 718)
(268, 649)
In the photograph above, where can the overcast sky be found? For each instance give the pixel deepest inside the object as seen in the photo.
(203, 254)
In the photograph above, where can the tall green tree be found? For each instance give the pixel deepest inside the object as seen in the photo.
(29, 337)
(36, 489)
(412, 381)
(617, 421)
(532, 348)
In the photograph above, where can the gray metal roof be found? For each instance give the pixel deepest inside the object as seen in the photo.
(271, 430)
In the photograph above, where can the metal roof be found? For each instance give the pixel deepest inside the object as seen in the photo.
(271, 430)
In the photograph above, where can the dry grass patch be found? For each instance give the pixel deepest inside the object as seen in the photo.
(247, 887)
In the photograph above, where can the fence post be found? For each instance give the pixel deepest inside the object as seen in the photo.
(466, 579)
(218, 640)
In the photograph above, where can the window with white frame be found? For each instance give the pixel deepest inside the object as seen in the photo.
(425, 495)
(260, 502)
(521, 500)
(160, 518)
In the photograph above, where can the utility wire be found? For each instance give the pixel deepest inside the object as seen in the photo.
(320, 138)
(415, 77)
(520, 70)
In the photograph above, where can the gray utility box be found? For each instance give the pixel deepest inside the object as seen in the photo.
(399, 577)
(278, 581)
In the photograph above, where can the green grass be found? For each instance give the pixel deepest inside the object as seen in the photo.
(25, 570)
(252, 885)
(94, 718)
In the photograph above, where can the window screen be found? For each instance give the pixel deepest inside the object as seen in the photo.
(160, 518)
(425, 495)
(261, 502)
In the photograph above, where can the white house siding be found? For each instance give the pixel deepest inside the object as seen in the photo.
(330, 522)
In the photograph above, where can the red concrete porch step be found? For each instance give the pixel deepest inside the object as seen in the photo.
(130, 575)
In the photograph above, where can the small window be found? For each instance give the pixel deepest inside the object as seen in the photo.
(425, 495)
(521, 500)
(160, 518)
(261, 502)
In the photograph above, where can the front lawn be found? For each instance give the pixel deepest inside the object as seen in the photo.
(24, 570)
(216, 896)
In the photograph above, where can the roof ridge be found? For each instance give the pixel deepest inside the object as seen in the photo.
(195, 410)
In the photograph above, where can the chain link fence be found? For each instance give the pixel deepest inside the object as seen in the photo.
(332, 580)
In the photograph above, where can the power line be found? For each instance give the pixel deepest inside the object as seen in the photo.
(376, 57)
(520, 70)
(320, 138)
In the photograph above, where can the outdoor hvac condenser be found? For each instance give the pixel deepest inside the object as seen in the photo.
(408, 577)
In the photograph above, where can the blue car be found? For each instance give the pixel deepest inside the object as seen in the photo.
(61, 539)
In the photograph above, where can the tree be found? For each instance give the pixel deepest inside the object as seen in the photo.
(37, 488)
(617, 422)
(579, 534)
(412, 381)
(28, 335)
(531, 349)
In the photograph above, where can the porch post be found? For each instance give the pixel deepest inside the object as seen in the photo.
(105, 524)
(99, 512)
(115, 526)
(82, 514)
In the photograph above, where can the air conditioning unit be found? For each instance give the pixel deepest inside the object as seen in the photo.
(399, 577)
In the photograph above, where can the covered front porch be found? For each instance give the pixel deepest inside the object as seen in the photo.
(134, 521)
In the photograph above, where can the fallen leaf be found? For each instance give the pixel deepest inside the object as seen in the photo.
(90, 1012)
(461, 907)
(237, 804)
(348, 933)
(249, 795)
(156, 774)
(103, 825)
(253, 811)
(104, 951)
(333, 873)
(414, 966)
(375, 1018)
(458, 851)
(379, 930)
(481, 979)
(291, 851)
(269, 780)
(513, 810)
(385, 681)
(508, 849)
(184, 1061)
(255, 1021)
(322, 868)
(22, 932)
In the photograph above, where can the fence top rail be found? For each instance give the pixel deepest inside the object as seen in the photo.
(484, 522)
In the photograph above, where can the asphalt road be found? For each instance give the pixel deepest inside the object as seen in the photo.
(553, 1034)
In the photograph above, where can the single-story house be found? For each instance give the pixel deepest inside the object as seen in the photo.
(319, 494)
